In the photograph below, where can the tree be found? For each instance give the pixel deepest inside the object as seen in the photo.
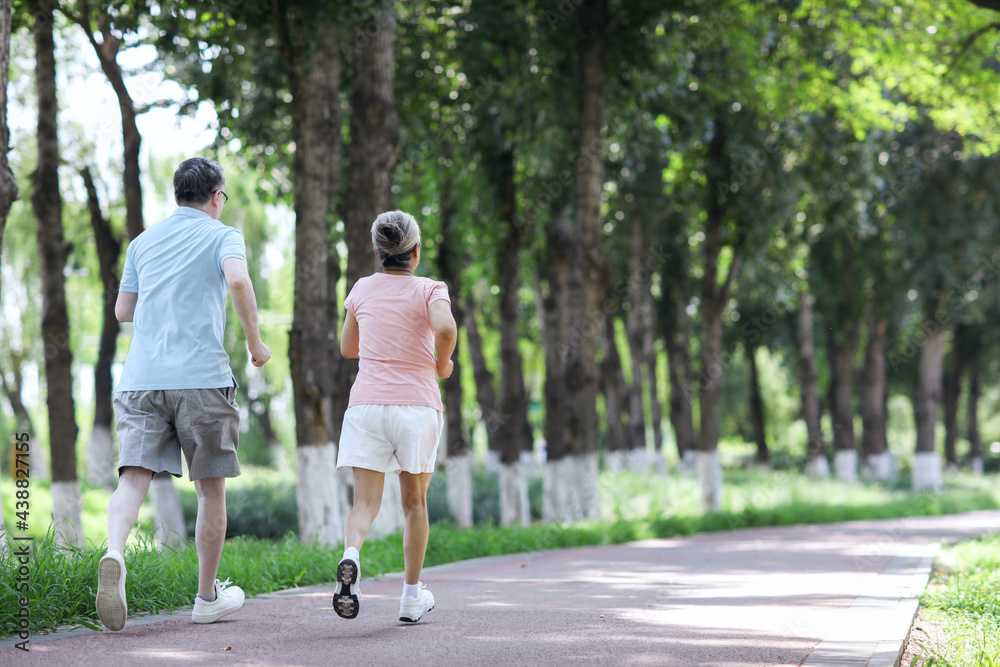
(101, 461)
(46, 201)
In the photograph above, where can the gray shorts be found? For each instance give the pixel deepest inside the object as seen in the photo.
(154, 426)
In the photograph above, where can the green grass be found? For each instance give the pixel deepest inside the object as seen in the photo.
(634, 506)
(965, 602)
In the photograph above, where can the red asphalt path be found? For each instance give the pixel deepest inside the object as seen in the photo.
(815, 595)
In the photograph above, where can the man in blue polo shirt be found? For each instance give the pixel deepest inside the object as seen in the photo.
(177, 392)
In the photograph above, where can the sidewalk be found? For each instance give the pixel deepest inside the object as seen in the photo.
(841, 594)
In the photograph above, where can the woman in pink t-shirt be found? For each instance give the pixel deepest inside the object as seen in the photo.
(395, 322)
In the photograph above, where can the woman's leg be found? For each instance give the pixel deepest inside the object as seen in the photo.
(417, 530)
(368, 486)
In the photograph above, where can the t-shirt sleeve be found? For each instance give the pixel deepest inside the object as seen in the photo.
(350, 303)
(130, 279)
(439, 292)
(232, 245)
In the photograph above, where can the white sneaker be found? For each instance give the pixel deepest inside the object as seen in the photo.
(228, 598)
(347, 594)
(412, 610)
(112, 608)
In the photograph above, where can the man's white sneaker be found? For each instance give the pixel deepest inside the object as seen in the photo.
(112, 608)
(412, 610)
(347, 594)
(228, 598)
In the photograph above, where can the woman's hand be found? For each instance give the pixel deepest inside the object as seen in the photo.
(445, 373)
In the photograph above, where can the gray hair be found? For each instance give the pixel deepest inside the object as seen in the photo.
(394, 236)
(196, 180)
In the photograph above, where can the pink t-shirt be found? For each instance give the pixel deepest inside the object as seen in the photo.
(396, 345)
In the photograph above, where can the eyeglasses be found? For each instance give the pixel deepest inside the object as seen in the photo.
(225, 197)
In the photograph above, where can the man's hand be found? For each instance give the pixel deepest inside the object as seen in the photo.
(259, 354)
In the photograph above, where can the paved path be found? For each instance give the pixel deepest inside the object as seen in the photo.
(842, 594)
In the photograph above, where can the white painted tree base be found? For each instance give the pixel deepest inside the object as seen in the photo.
(390, 518)
(880, 467)
(530, 466)
(845, 465)
(514, 495)
(660, 464)
(318, 493)
(927, 472)
(638, 459)
(66, 524)
(818, 466)
(976, 463)
(555, 475)
(583, 499)
(616, 461)
(168, 517)
(101, 458)
(710, 477)
(688, 465)
(458, 475)
(491, 462)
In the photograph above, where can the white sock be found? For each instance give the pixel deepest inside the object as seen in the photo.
(411, 590)
(352, 553)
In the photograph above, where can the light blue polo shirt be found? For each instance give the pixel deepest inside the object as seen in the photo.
(175, 267)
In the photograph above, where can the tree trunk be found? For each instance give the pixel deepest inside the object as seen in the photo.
(757, 415)
(972, 417)
(871, 403)
(615, 401)
(314, 81)
(555, 331)
(636, 329)
(100, 450)
(53, 251)
(652, 372)
(8, 187)
(374, 134)
(713, 301)
(841, 393)
(952, 392)
(926, 462)
(486, 394)
(107, 54)
(816, 462)
(513, 432)
(588, 275)
(450, 261)
(676, 334)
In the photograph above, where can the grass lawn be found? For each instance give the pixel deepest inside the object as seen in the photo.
(62, 581)
(961, 608)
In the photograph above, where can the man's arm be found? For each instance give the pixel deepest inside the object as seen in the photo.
(125, 306)
(445, 335)
(245, 302)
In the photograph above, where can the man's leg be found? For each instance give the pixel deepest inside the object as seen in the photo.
(210, 530)
(417, 529)
(123, 507)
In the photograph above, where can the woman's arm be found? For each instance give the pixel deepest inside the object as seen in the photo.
(445, 335)
(349, 338)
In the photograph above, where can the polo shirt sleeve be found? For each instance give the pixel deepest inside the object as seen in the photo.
(232, 245)
(130, 279)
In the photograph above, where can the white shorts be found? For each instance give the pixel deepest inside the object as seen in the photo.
(390, 438)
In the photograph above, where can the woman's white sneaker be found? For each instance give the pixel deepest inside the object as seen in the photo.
(228, 598)
(347, 594)
(112, 608)
(412, 610)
